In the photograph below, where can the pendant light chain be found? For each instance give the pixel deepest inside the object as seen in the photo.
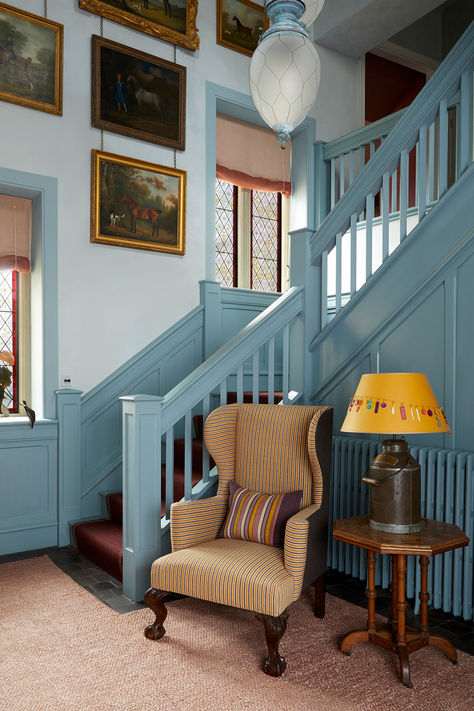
(174, 150)
(101, 27)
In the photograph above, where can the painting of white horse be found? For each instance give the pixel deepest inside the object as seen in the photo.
(137, 94)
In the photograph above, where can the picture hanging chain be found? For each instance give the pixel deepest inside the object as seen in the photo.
(174, 53)
(45, 8)
(101, 26)
(101, 139)
(174, 157)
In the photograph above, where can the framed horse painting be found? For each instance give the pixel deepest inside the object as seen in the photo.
(31, 60)
(138, 95)
(240, 24)
(137, 204)
(170, 20)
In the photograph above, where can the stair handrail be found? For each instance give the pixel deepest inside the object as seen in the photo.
(362, 136)
(403, 136)
(208, 376)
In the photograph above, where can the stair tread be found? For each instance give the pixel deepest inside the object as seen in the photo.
(101, 542)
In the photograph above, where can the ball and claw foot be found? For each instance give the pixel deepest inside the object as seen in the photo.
(152, 599)
(275, 628)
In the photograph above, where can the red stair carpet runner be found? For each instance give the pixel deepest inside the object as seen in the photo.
(101, 540)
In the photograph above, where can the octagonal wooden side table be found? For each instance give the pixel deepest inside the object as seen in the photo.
(435, 537)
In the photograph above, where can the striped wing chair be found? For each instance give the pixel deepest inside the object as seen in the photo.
(271, 449)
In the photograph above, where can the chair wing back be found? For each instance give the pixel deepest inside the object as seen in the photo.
(267, 448)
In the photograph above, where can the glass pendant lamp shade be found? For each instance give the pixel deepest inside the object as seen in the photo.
(284, 80)
(313, 8)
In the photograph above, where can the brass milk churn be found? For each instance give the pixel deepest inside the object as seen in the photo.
(395, 489)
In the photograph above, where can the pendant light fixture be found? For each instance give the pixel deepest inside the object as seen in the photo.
(285, 69)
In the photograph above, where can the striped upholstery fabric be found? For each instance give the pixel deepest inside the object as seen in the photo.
(250, 576)
(272, 451)
(253, 516)
(196, 521)
(219, 437)
(296, 545)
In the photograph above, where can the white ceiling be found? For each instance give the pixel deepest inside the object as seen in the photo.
(354, 27)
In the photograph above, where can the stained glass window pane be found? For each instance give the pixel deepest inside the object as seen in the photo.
(225, 233)
(7, 331)
(265, 241)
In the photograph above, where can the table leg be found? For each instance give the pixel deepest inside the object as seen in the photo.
(371, 593)
(401, 631)
(394, 588)
(424, 596)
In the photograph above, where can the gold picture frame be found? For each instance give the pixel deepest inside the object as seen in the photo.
(240, 24)
(137, 204)
(31, 60)
(170, 23)
(138, 95)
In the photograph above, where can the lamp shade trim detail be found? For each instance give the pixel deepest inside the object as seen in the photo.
(389, 403)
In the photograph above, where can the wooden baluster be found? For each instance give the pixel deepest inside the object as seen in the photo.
(324, 289)
(188, 452)
(362, 163)
(443, 148)
(385, 215)
(333, 182)
(465, 124)
(351, 167)
(169, 495)
(369, 202)
(342, 176)
(255, 377)
(394, 191)
(271, 371)
(422, 171)
(286, 362)
(372, 148)
(403, 194)
(353, 254)
(223, 392)
(206, 407)
(338, 271)
(240, 383)
(431, 162)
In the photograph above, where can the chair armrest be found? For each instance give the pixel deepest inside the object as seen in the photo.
(196, 521)
(296, 545)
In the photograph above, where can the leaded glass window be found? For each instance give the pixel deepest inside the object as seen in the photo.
(265, 244)
(226, 233)
(8, 335)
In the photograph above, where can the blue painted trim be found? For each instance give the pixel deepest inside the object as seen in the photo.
(464, 183)
(362, 136)
(43, 191)
(236, 351)
(422, 111)
(69, 460)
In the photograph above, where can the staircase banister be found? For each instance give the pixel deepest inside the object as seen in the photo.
(190, 391)
(422, 111)
(361, 136)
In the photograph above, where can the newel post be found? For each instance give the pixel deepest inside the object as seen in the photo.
(302, 273)
(141, 425)
(210, 297)
(68, 414)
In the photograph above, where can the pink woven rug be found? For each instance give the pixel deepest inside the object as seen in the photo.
(61, 649)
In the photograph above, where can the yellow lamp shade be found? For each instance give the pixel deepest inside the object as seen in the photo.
(394, 403)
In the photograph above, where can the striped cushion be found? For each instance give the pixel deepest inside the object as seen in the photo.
(247, 575)
(253, 516)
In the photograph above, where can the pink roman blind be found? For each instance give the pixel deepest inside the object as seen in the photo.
(15, 233)
(251, 157)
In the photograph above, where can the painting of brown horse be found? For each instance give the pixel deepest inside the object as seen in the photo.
(240, 24)
(138, 212)
(137, 204)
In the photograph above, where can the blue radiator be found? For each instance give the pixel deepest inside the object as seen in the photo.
(447, 494)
